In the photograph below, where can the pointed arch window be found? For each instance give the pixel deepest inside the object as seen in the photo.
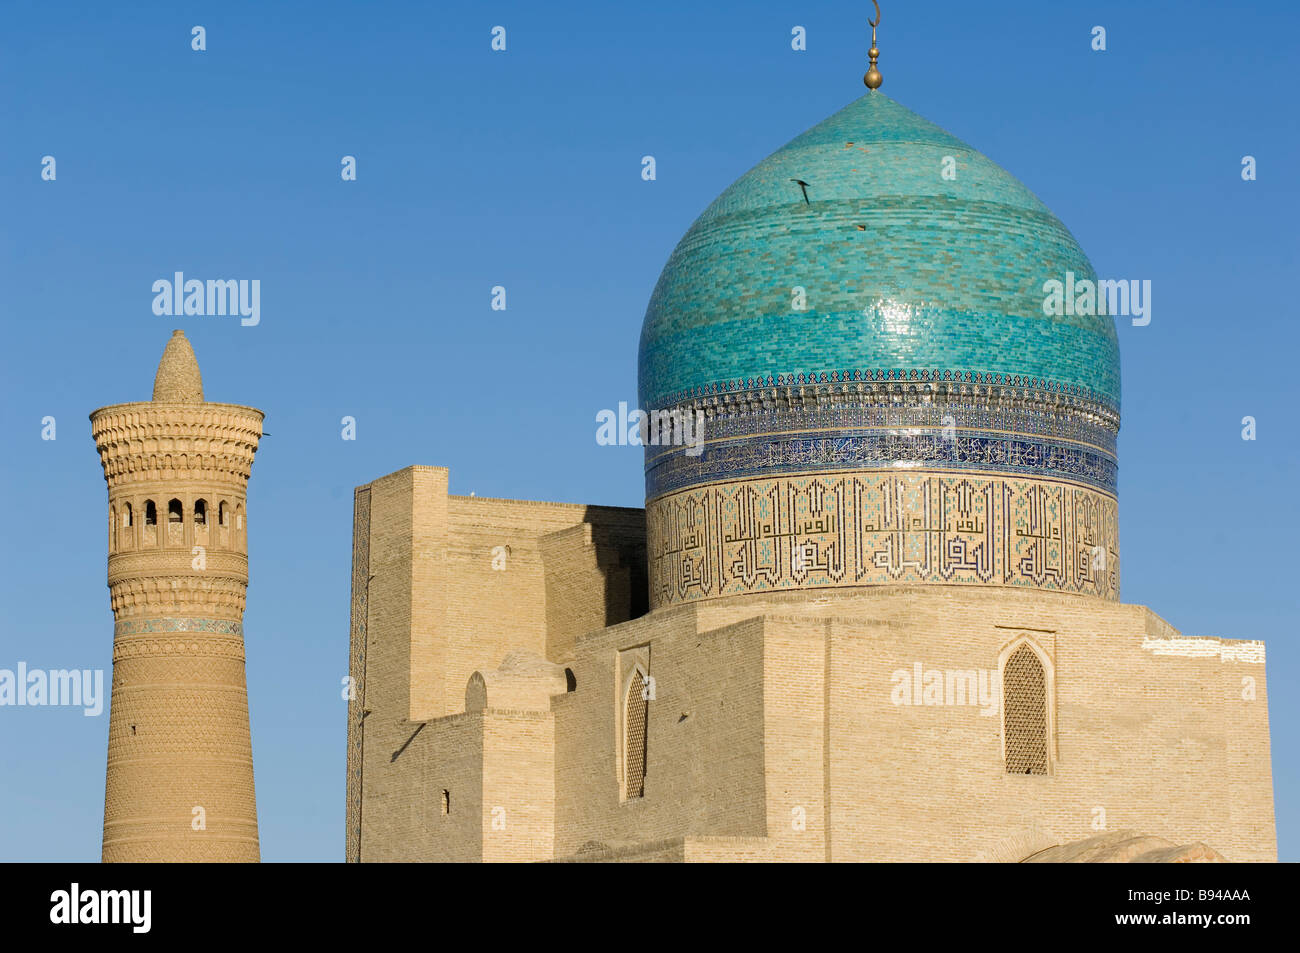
(174, 511)
(150, 513)
(635, 721)
(1025, 716)
(201, 512)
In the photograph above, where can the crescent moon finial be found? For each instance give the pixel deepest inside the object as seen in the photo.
(873, 79)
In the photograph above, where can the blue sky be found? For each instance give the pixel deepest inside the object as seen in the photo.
(522, 169)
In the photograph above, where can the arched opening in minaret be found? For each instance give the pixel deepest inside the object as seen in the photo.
(223, 513)
(150, 513)
(128, 515)
(201, 512)
(175, 534)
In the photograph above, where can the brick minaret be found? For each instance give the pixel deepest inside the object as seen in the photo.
(180, 759)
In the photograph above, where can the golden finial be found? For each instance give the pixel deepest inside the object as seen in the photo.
(873, 78)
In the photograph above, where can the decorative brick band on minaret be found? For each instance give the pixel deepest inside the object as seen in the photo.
(180, 761)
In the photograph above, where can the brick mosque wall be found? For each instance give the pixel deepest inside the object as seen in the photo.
(775, 730)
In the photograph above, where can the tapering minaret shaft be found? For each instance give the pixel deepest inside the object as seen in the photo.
(179, 785)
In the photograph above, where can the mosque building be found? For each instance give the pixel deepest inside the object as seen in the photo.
(877, 618)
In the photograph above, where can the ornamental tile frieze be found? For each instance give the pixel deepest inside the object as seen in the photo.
(1029, 431)
(847, 451)
(880, 528)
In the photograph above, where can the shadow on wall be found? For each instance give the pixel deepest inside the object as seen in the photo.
(623, 547)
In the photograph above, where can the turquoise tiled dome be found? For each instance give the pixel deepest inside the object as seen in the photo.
(905, 272)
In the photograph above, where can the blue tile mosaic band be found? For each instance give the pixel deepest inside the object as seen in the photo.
(842, 427)
(850, 451)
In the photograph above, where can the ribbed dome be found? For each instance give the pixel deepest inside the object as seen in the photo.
(178, 379)
(904, 272)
